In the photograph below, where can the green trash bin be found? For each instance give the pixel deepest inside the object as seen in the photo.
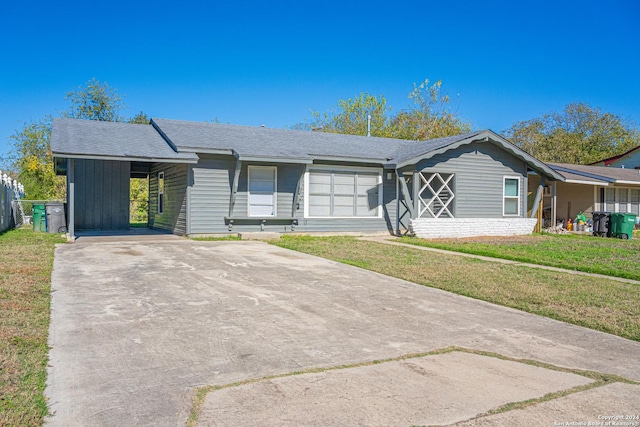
(39, 218)
(622, 225)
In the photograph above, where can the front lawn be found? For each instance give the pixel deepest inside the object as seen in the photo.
(26, 261)
(601, 304)
(611, 257)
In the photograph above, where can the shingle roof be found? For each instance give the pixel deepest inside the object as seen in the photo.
(276, 143)
(292, 145)
(91, 138)
(570, 176)
(177, 140)
(602, 173)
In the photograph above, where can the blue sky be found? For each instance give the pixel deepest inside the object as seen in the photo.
(259, 62)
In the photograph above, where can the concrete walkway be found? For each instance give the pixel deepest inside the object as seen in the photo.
(137, 326)
(390, 240)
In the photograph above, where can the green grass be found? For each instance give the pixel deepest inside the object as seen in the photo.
(232, 237)
(601, 304)
(138, 224)
(611, 257)
(26, 261)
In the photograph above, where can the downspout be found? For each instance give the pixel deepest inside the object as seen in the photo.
(71, 200)
(234, 186)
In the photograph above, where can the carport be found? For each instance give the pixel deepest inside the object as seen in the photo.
(99, 159)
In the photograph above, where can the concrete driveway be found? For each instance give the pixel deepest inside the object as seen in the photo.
(138, 325)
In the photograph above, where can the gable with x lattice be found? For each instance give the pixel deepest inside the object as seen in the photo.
(438, 189)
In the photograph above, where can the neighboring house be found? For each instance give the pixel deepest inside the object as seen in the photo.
(207, 178)
(627, 160)
(589, 189)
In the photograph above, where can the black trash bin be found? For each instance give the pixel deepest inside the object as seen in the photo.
(602, 224)
(56, 221)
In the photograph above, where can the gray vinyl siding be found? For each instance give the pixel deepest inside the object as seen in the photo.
(211, 191)
(6, 217)
(479, 170)
(101, 194)
(174, 216)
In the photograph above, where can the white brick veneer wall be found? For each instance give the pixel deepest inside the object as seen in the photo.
(470, 227)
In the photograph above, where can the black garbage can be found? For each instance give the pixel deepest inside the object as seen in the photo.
(602, 224)
(56, 221)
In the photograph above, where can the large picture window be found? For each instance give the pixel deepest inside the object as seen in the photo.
(262, 190)
(343, 193)
(511, 196)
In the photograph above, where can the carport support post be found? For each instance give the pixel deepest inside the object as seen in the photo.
(71, 197)
(554, 206)
(536, 201)
(405, 192)
(416, 195)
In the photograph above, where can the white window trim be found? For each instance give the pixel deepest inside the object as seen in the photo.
(616, 205)
(504, 196)
(275, 190)
(343, 169)
(164, 199)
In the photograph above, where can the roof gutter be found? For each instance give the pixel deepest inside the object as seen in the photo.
(349, 159)
(222, 151)
(263, 159)
(124, 159)
(577, 181)
(585, 174)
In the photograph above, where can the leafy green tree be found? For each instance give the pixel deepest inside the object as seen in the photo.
(580, 134)
(352, 117)
(31, 156)
(140, 118)
(33, 162)
(139, 196)
(428, 116)
(95, 101)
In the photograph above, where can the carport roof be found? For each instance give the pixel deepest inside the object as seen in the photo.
(93, 139)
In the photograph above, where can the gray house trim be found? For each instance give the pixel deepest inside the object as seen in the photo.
(125, 158)
(349, 159)
(225, 152)
(275, 160)
(163, 135)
